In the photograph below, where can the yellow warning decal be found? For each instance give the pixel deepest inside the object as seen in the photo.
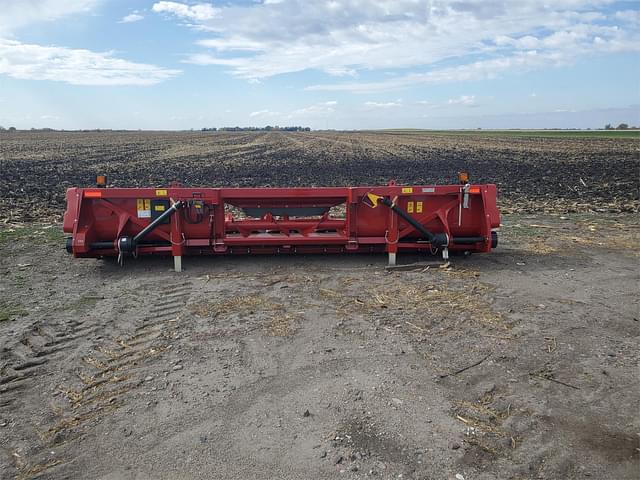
(418, 207)
(161, 193)
(407, 189)
(410, 207)
(143, 207)
(159, 208)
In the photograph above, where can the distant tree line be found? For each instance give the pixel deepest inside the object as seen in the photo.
(46, 129)
(622, 126)
(268, 128)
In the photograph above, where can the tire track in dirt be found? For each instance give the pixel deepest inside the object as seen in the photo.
(29, 357)
(24, 373)
(105, 372)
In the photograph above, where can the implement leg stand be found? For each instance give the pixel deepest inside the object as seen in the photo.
(177, 263)
(392, 258)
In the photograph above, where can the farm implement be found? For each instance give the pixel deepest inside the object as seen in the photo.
(178, 221)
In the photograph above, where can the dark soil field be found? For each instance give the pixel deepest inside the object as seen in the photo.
(518, 364)
(533, 174)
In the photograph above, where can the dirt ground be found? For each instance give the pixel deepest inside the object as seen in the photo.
(518, 364)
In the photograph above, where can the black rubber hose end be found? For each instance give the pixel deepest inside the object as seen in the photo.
(440, 240)
(126, 244)
(494, 239)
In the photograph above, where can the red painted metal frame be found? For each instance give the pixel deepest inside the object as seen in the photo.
(105, 214)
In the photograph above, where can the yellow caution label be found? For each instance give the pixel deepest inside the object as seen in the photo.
(161, 193)
(159, 208)
(410, 207)
(407, 189)
(143, 207)
(418, 207)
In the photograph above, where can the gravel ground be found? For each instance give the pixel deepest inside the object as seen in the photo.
(518, 364)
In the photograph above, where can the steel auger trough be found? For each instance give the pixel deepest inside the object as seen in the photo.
(178, 221)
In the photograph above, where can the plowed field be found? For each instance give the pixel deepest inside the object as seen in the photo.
(533, 174)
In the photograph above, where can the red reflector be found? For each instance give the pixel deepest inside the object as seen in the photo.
(474, 190)
(92, 194)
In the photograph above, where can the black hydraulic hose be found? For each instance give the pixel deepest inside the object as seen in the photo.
(110, 245)
(435, 239)
(129, 245)
(467, 240)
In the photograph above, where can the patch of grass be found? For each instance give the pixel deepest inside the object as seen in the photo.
(9, 310)
(37, 234)
(532, 238)
(548, 235)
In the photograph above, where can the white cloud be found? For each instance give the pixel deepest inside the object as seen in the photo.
(206, 59)
(480, 70)
(75, 66)
(320, 109)
(199, 12)
(132, 17)
(464, 100)
(19, 13)
(353, 37)
(231, 44)
(383, 104)
(315, 111)
(628, 16)
(263, 113)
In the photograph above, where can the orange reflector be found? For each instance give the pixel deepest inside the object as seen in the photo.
(92, 194)
(463, 177)
(101, 181)
(474, 190)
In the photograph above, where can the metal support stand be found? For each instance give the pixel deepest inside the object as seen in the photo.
(445, 254)
(177, 263)
(392, 258)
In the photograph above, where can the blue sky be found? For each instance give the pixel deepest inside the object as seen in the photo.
(344, 64)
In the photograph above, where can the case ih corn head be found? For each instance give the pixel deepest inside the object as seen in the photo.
(177, 221)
